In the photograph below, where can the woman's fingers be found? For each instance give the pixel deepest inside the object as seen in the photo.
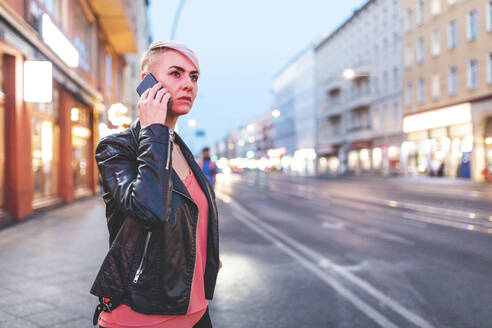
(160, 95)
(153, 91)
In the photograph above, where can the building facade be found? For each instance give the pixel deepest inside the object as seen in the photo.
(448, 87)
(295, 99)
(61, 69)
(358, 92)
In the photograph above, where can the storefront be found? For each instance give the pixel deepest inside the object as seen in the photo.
(81, 149)
(45, 135)
(2, 141)
(359, 157)
(439, 142)
(328, 160)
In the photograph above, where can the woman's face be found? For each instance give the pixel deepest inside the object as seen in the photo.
(177, 74)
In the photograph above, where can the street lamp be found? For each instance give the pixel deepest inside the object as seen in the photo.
(349, 74)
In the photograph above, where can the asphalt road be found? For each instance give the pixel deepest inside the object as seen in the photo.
(353, 253)
(296, 253)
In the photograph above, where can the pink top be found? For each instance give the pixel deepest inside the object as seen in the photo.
(123, 316)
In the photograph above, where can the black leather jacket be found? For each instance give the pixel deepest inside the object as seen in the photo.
(152, 223)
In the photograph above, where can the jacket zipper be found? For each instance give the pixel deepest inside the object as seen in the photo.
(170, 140)
(140, 267)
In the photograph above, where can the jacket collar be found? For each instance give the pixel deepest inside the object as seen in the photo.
(197, 171)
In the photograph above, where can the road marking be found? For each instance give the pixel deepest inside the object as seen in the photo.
(340, 224)
(276, 237)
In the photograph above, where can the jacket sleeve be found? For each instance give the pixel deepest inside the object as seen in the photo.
(139, 184)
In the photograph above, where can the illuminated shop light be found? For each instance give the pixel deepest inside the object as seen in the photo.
(81, 132)
(74, 114)
(117, 115)
(55, 39)
(437, 118)
(38, 81)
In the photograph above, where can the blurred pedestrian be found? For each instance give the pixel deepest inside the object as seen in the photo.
(163, 262)
(208, 167)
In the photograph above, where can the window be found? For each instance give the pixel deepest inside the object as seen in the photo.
(408, 55)
(409, 94)
(409, 17)
(452, 34)
(472, 25)
(489, 68)
(453, 80)
(385, 82)
(488, 13)
(436, 86)
(420, 50)
(420, 12)
(435, 7)
(396, 78)
(83, 37)
(436, 42)
(421, 91)
(109, 74)
(472, 78)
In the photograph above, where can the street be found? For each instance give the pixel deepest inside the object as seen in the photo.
(296, 252)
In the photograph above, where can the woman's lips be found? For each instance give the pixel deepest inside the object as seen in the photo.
(188, 99)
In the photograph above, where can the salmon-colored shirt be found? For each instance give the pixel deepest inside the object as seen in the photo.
(124, 317)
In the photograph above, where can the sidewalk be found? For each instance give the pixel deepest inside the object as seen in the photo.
(48, 265)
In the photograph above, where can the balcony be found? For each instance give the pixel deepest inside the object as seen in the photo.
(117, 18)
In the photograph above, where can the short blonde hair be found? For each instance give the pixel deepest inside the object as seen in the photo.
(159, 47)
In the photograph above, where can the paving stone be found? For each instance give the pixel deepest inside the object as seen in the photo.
(26, 309)
(52, 317)
(19, 323)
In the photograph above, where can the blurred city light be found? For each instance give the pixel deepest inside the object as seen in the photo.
(250, 127)
(275, 113)
(250, 154)
(117, 115)
(251, 139)
(349, 73)
(191, 123)
(38, 81)
(240, 142)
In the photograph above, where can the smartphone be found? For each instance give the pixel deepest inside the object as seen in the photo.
(148, 82)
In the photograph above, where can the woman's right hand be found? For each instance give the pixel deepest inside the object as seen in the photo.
(152, 106)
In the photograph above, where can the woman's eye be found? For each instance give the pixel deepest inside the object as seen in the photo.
(175, 73)
(194, 78)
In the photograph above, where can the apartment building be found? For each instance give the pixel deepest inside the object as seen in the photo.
(358, 92)
(447, 87)
(61, 71)
(295, 100)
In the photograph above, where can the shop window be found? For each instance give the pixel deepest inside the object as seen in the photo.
(452, 34)
(81, 137)
(44, 142)
(377, 158)
(2, 138)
